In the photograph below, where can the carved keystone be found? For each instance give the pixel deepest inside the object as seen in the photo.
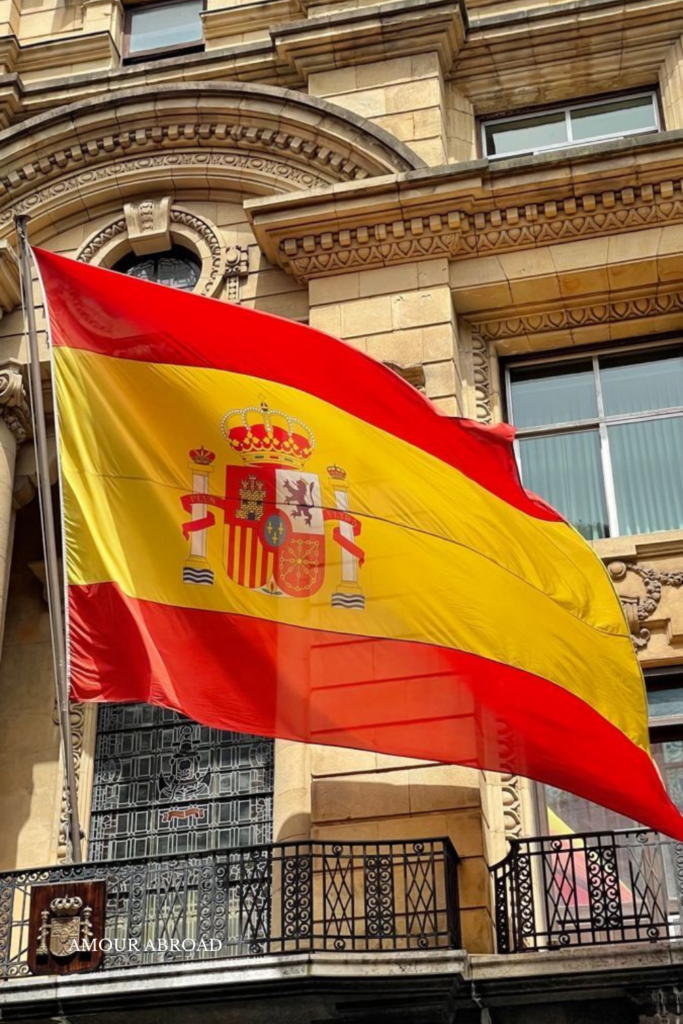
(149, 225)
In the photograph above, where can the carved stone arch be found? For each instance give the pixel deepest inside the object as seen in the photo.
(198, 137)
(185, 227)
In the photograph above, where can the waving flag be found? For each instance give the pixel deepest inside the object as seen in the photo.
(272, 533)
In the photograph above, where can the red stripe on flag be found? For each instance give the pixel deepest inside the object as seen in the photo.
(114, 315)
(391, 696)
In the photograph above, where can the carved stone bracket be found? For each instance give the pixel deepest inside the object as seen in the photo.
(660, 1006)
(149, 225)
(77, 719)
(642, 607)
(10, 294)
(236, 270)
(14, 406)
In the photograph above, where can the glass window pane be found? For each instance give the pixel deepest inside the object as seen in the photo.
(665, 703)
(565, 470)
(669, 757)
(164, 26)
(618, 117)
(568, 813)
(526, 134)
(642, 382)
(556, 394)
(648, 479)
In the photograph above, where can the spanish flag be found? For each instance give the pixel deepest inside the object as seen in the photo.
(272, 533)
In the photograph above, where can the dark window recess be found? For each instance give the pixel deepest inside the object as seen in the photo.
(177, 267)
(166, 785)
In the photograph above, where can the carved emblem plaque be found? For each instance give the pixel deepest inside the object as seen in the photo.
(66, 927)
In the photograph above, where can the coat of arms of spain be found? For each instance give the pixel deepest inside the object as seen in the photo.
(275, 515)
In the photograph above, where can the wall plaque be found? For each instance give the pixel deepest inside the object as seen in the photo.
(66, 927)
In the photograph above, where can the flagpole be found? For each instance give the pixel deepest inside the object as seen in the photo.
(52, 574)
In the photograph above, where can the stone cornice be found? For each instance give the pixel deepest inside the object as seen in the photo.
(248, 17)
(477, 209)
(282, 140)
(348, 38)
(84, 48)
(557, 50)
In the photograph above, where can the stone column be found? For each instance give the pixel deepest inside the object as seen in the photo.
(671, 86)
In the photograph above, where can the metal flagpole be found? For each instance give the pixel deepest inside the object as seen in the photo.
(52, 573)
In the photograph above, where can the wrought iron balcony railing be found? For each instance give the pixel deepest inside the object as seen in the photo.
(588, 889)
(284, 898)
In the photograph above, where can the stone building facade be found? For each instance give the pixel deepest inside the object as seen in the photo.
(487, 195)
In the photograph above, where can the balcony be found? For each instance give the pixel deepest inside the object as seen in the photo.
(250, 902)
(588, 889)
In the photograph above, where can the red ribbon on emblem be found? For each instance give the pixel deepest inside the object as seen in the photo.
(338, 536)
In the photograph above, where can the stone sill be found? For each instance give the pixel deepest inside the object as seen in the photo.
(160, 979)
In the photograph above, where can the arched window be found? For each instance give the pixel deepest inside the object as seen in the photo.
(177, 267)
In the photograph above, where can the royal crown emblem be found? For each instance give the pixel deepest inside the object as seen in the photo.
(260, 435)
(275, 512)
(64, 927)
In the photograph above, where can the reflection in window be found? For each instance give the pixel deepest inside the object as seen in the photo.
(566, 813)
(570, 126)
(601, 439)
(178, 267)
(163, 26)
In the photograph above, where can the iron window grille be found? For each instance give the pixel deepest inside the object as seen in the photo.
(164, 785)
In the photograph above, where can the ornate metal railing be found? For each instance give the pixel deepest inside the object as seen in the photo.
(588, 889)
(284, 898)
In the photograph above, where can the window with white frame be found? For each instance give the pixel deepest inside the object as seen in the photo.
(600, 437)
(575, 125)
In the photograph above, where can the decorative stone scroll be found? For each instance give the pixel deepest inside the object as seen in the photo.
(14, 406)
(642, 607)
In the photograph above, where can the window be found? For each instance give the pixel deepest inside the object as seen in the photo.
(166, 785)
(601, 439)
(178, 268)
(157, 28)
(570, 126)
(563, 813)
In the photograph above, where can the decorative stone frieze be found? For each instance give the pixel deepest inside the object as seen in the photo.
(226, 130)
(640, 608)
(647, 573)
(572, 317)
(480, 209)
(459, 234)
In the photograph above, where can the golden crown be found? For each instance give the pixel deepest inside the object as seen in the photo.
(261, 435)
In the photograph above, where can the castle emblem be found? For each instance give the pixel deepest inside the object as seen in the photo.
(275, 515)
